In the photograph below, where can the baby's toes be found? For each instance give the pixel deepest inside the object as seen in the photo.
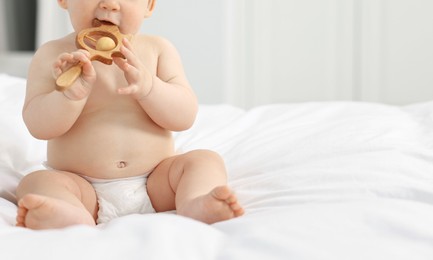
(237, 209)
(222, 193)
(21, 216)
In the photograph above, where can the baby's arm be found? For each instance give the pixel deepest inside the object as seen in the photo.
(167, 96)
(49, 113)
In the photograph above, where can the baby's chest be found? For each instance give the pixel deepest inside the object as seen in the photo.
(104, 93)
(108, 78)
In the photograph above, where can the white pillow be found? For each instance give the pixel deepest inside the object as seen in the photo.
(20, 153)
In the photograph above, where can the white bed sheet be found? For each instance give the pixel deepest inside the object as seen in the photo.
(326, 180)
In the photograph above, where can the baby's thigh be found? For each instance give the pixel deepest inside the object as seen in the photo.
(158, 186)
(52, 182)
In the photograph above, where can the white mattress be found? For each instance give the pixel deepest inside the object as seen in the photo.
(328, 180)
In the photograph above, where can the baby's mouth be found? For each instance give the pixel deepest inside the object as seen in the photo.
(96, 22)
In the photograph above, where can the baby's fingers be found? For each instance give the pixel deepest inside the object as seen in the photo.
(128, 51)
(82, 56)
(121, 63)
(66, 60)
(131, 72)
(65, 57)
(131, 89)
(61, 62)
(73, 57)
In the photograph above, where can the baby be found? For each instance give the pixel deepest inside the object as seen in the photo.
(110, 148)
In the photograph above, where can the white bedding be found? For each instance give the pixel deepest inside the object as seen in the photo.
(331, 180)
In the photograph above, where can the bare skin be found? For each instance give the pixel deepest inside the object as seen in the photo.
(115, 122)
(41, 212)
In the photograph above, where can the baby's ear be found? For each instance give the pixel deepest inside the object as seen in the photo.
(63, 4)
(150, 7)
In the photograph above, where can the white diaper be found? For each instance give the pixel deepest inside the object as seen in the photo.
(120, 197)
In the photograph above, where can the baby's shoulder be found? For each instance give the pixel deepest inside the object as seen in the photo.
(54, 47)
(158, 43)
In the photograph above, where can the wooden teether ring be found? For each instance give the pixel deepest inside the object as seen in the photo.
(103, 42)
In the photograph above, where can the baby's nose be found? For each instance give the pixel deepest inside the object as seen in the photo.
(109, 5)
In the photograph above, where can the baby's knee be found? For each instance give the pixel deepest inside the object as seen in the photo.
(32, 177)
(203, 155)
(43, 178)
(28, 181)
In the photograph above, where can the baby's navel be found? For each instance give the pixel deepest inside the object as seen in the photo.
(121, 164)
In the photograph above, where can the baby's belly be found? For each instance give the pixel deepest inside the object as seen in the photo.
(111, 148)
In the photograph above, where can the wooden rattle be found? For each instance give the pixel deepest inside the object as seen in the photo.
(103, 42)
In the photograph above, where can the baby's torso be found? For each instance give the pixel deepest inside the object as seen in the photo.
(113, 137)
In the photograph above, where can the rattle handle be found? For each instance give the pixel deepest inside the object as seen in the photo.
(67, 78)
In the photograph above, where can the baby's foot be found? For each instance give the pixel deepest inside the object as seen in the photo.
(218, 205)
(40, 212)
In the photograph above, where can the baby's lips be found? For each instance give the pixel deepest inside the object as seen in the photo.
(97, 22)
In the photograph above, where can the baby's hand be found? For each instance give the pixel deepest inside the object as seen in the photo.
(136, 74)
(82, 87)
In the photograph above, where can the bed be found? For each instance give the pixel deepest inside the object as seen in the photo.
(318, 180)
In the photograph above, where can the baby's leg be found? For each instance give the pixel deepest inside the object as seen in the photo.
(48, 199)
(195, 184)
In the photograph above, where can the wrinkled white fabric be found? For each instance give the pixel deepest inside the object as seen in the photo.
(326, 180)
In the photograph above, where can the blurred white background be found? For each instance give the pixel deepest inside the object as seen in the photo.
(253, 52)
